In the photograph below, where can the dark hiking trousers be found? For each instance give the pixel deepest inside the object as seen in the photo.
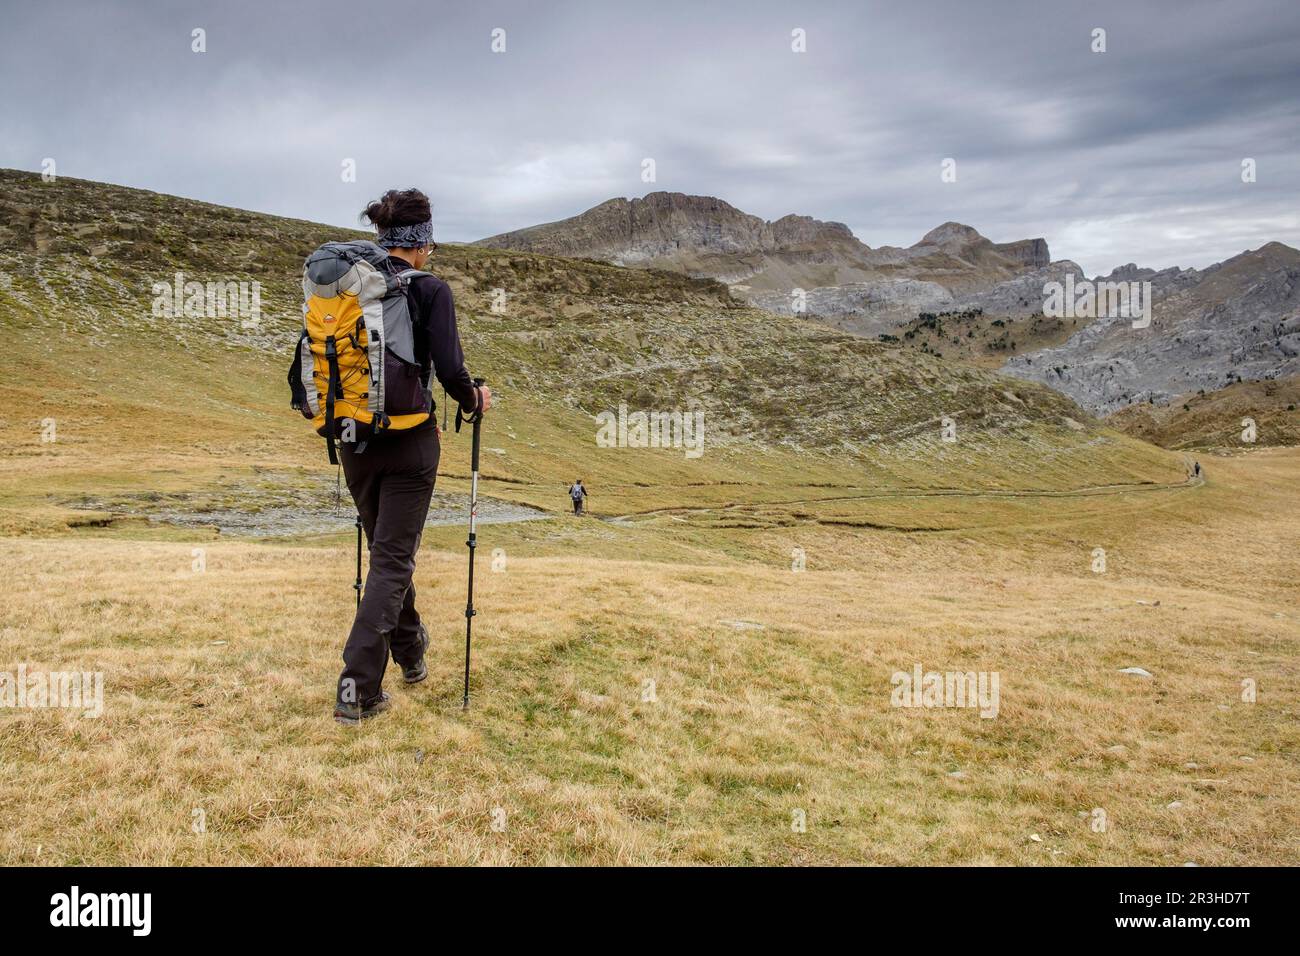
(391, 483)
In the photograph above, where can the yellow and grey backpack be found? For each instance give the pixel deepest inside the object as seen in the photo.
(354, 372)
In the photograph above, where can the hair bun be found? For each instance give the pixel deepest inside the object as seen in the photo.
(399, 207)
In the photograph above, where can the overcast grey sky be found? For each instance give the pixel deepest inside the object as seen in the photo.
(1133, 154)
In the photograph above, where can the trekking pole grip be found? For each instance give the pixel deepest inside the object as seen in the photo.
(477, 415)
(477, 421)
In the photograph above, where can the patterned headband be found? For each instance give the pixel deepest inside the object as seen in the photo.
(407, 237)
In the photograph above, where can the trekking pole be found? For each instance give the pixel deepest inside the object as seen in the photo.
(357, 586)
(476, 420)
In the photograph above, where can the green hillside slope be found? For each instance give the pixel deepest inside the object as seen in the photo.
(148, 403)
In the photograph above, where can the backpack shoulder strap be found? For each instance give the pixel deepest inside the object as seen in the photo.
(402, 280)
(426, 381)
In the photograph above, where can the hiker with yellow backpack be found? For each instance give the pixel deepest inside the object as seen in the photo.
(376, 330)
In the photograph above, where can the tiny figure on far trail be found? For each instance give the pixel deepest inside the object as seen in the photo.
(579, 496)
(1196, 470)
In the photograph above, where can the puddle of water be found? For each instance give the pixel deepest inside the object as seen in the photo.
(271, 515)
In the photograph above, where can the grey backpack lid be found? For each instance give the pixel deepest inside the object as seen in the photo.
(328, 264)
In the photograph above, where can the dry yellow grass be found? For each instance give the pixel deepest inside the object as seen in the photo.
(772, 689)
(750, 723)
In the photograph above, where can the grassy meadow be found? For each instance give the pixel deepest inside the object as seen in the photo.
(771, 693)
(683, 677)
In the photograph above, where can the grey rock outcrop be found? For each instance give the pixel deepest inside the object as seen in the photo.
(1022, 294)
(866, 308)
(704, 236)
(661, 225)
(1237, 320)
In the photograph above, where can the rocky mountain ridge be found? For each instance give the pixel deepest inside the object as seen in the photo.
(706, 236)
(1237, 320)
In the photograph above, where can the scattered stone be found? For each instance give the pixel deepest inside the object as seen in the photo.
(1036, 838)
(1174, 805)
(745, 625)
(1135, 671)
(958, 774)
(1117, 749)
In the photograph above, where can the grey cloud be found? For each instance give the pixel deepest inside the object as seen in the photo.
(1129, 155)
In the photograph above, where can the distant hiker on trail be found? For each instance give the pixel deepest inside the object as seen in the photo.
(579, 496)
(382, 341)
(1196, 472)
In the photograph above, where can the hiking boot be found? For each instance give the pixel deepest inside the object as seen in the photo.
(353, 714)
(418, 671)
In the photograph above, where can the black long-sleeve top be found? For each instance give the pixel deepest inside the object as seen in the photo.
(437, 340)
